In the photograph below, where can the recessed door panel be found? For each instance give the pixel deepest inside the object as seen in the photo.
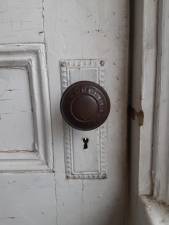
(16, 126)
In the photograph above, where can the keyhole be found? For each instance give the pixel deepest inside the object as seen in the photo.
(85, 143)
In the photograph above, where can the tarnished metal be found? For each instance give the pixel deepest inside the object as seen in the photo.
(85, 105)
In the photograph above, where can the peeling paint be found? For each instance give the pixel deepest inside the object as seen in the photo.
(139, 115)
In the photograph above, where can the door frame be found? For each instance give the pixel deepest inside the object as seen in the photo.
(143, 54)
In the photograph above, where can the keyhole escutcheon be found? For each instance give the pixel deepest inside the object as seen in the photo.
(85, 143)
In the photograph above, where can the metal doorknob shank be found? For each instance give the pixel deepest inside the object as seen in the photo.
(85, 105)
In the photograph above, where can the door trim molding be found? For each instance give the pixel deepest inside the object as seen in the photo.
(32, 58)
(144, 65)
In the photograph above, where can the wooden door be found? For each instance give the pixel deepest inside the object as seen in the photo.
(46, 177)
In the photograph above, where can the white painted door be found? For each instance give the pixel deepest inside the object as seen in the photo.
(46, 177)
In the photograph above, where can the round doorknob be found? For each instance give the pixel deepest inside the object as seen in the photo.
(85, 105)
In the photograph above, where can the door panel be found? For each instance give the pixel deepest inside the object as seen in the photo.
(90, 30)
(16, 101)
(69, 30)
(27, 199)
(21, 21)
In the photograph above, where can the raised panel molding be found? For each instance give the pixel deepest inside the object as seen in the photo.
(75, 157)
(31, 57)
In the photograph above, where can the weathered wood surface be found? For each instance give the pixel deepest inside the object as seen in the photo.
(161, 141)
(90, 29)
(71, 29)
(21, 21)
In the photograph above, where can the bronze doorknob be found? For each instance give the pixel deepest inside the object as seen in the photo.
(85, 105)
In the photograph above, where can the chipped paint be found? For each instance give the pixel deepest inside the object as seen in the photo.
(137, 115)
